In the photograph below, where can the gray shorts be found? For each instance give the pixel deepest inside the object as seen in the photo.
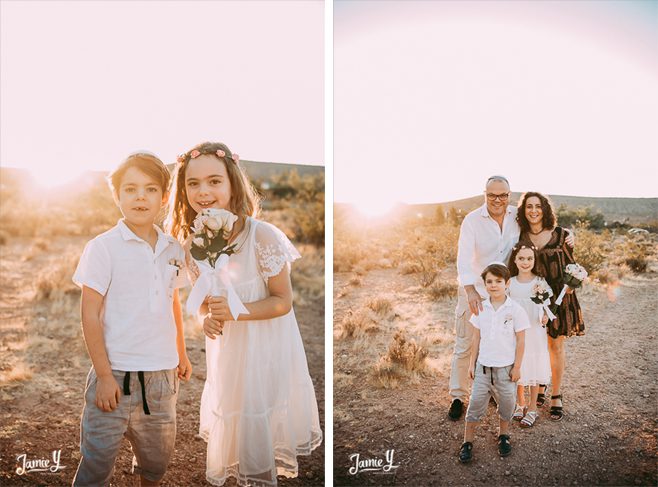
(490, 381)
(151, 435)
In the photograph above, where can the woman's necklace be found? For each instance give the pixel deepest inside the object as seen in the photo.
(536, 233)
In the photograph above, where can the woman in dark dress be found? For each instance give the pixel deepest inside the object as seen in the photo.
(537, 221)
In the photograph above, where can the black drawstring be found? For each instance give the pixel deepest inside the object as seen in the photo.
(126, 389)
(484, 370)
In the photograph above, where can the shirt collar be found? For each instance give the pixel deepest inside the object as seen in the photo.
(506, 304)
(163, 241)
(485, 213)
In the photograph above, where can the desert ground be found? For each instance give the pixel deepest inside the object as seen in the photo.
(44, 366)
(608, 434)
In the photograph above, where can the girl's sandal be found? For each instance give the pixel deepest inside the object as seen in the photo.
(555, 412)
(529, 419)
(541, 397)
(519, 412)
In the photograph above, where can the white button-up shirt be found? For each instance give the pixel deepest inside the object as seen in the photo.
(481, 242)
(498, 329)
(138, 284)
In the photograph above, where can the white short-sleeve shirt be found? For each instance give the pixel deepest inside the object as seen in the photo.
(481, 242)
(138, 284)
(498, 329)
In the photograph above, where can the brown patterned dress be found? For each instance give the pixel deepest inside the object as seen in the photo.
(553, 258)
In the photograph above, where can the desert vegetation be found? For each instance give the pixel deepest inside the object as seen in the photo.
(43, 358)
(395, 291)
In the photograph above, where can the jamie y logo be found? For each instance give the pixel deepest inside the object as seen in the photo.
(375, 464)
(39, 464)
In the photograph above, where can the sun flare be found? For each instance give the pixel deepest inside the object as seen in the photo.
(52, 177)
(371, 208)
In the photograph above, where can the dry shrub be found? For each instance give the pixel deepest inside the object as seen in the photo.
(442, 289)
(357, 323)
(355, 281)
(54, 282)
(428, 272)
(637, 264)
(407, 353)
(308, 273)
(19, 372)
(591, 249)
(381, 306)
(4, 237)
(388, 374)
(611, 275)
(359, 270)
(410, 268)
(405, 358)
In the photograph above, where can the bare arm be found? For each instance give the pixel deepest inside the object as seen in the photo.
(278, 303)
(515, 373)
(474, 299)
(107, 389)
(475, 351)
(184, 364)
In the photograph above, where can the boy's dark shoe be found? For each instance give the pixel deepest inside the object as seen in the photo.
(456, 410)
(504, 445)
(466, 452)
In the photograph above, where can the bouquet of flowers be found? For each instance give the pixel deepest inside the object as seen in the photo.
(211, 250)
(574, 276)
(541, 294)
(211, 230)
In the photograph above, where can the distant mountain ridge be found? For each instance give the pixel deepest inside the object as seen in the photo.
(629, 210)
(257, 171)
(635, 210)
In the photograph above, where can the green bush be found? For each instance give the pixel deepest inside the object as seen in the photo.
(589, 216)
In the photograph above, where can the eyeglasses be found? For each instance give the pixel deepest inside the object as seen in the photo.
(494, 197)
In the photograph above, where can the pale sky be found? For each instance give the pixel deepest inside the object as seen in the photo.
(83, 84)
(431, 98)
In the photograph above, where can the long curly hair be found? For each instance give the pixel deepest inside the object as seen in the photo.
(549, 220)
(244, 198)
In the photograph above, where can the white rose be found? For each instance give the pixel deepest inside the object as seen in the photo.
(198, 241)
(225, 219)
(213, 224)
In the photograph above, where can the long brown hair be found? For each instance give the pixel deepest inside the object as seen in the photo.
(548, 219)
(244, 198)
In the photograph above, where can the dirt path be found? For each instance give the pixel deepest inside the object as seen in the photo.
(608, 436)
(42, 414)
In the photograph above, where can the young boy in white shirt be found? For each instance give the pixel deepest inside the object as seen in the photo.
(133, 330)
(498, 344)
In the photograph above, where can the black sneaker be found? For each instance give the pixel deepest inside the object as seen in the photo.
(504, 445)
(466, 452)
(456, 410)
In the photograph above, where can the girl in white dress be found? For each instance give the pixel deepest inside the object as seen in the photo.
(258, 408)
(536, 365)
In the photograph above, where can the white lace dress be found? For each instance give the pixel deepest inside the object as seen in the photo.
(258, 408)
(536, 364)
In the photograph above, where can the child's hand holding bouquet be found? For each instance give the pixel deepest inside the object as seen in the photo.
(541, 294)
(211, 250)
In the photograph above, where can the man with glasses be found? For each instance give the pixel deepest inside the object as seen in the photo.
(487, 235)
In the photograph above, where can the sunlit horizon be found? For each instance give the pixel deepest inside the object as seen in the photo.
(162, 77)
(432, 98)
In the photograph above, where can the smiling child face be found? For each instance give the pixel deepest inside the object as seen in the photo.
(140, 197)
(207, 183)
(525, 260)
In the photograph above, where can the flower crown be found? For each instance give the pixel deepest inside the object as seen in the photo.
(182, 158)
(524, 246)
